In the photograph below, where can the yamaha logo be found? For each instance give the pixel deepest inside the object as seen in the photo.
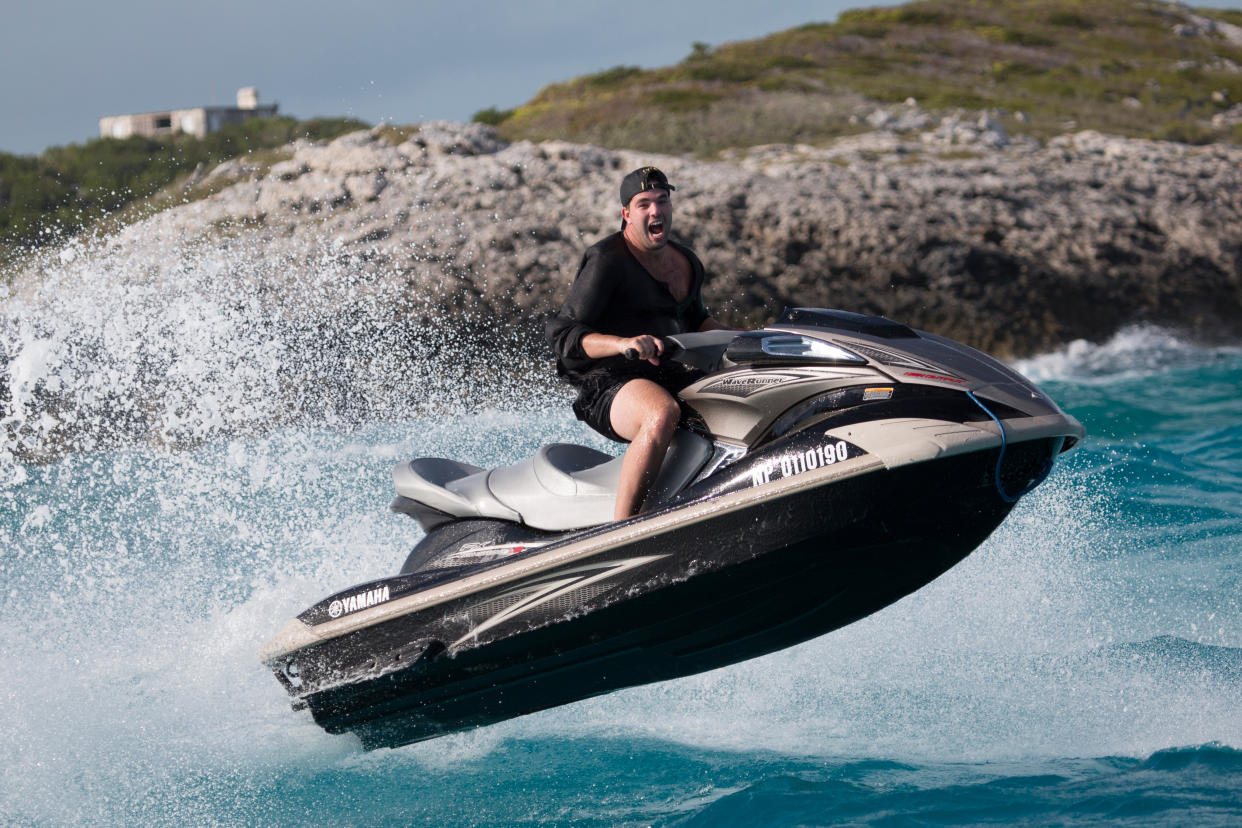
(357, 601)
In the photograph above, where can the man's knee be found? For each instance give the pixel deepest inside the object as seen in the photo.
(662, 418)
(644, 410)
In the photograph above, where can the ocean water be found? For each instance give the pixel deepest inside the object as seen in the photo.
(160, 516)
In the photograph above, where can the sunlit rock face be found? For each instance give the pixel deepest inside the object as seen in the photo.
(320, 286)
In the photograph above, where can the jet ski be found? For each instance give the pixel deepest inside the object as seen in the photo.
(826, 466)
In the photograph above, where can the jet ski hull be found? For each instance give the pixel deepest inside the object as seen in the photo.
(828, 466)
(758, 576)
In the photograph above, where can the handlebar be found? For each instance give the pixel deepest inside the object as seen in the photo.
(701, 350)
(669, 349)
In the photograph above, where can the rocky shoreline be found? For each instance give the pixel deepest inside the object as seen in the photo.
(943, 223)
(375, 278)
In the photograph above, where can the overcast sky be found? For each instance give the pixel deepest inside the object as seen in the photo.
(66, 63)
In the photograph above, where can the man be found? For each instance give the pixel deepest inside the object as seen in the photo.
(632, 288)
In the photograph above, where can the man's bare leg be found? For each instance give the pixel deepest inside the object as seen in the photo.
(646, 415)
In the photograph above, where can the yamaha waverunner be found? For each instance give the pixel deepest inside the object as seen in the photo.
(826, 466)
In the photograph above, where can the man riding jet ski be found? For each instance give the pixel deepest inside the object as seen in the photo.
(825, 466)
(632, 288)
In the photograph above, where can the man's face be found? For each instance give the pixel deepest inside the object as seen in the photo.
(648, 219)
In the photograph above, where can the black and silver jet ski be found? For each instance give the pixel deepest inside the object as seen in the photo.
(828, 465)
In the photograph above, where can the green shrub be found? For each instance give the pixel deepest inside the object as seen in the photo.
(1186, 132)
(1006, 69)
(913, 15)
(908, 15)
(723, 70)
(68, 188)
(492, 116)
(1015, 37)
(849, 17)
(683, 100)
(817, 31)
(871, 31)
(699, 51)
(612, 77)
(789, 62)
(1070, 20)
(860, 22)
(1115, 67)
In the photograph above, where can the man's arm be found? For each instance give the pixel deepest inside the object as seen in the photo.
(589, 295)
(645, 346)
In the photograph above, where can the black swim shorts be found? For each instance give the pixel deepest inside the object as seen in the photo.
(599, 389)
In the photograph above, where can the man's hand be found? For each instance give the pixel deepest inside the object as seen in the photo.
(642, 347)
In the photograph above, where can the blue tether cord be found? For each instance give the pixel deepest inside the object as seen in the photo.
(1000, 489)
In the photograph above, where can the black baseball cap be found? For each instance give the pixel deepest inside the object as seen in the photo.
(641, 180)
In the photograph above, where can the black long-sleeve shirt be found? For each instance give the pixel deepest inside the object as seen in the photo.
(614, 294)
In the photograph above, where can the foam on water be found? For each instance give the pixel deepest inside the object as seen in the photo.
(1138, 351)
(141, 582)
(211, 469)
(133, 627)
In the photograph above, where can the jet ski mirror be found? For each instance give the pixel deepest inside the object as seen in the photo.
(760, 347)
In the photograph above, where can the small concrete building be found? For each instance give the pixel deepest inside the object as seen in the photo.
(198, 121)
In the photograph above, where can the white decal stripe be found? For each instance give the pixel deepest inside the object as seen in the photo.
(554, 589)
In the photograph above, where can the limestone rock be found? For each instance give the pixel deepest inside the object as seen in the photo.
(950, 226)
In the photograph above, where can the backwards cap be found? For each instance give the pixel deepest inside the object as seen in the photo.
(641, 180)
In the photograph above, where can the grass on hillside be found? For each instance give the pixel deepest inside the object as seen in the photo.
(1129, 67)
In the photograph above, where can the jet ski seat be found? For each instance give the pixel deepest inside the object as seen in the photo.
(563, 486)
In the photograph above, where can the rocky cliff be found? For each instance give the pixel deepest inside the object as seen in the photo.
(942, 223)
(329, 282)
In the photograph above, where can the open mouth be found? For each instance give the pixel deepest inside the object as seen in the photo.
(656, 228)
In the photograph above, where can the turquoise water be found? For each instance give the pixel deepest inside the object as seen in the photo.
(1084, 667)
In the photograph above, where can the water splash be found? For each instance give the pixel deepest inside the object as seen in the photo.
(210, 463)
(176, 343)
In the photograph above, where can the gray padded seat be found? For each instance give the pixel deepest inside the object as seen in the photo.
(564, 486)
(457, 489)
